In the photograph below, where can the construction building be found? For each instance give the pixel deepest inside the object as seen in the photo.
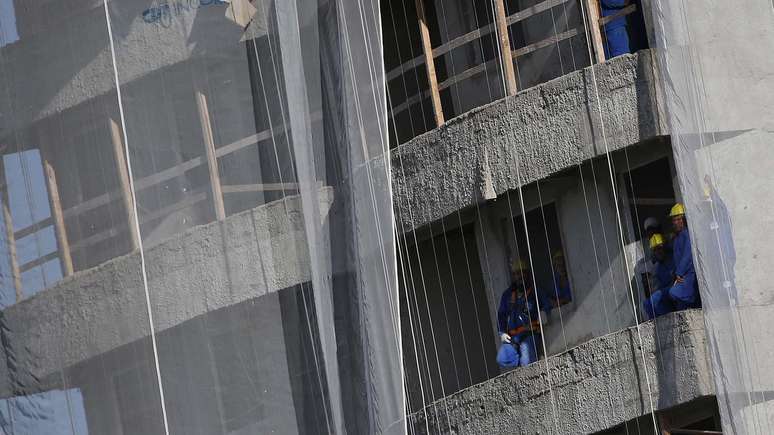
(233, 216)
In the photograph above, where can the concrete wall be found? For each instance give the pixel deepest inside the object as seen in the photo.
(250, 254)
(543, 130)
(594, 386)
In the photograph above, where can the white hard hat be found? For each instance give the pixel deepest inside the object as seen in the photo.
(651, 222)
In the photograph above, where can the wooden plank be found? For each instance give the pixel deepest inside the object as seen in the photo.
(58, 217)
(212, 159)
(37, 226)
(592, 11)
(39, 261)
(11, 241)
(622, 13)
(504, 40)
(429, 63)
(534, 10)
(193, 198)
(468, 73)
(265, 187)
(123, 182)
(551, 40)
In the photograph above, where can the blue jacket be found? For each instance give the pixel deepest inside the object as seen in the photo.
(518, 314)
(683, 258)
(665, 273)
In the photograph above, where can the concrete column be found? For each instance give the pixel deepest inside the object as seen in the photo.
(493, 257)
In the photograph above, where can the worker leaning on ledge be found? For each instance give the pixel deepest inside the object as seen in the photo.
(675, 282)
(518, 321)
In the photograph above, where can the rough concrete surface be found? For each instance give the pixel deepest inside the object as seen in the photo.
(594, 386)
(540, 130)
(212, 266)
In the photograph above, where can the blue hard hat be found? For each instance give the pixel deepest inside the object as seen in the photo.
(507, 357)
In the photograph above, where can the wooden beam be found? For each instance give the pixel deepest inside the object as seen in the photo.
(11, 241)
(593, 12)
(505, 48)
(212, 159)
(58, 217)
(435, 95)
(124, 183)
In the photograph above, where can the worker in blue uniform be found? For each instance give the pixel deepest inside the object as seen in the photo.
(685, 291)
(616, 33)
(658, 302)
(562, 293)
(518, 321)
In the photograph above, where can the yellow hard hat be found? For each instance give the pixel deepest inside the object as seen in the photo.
(518, 265)
(677, 210)
(656, 240)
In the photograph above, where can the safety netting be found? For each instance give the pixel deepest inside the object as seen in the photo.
(198, 219)
(717, 86)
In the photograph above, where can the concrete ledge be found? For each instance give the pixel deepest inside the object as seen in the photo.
(595, 386)
(544, 130)
(212, 266)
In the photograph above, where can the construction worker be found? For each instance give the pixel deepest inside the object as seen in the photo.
(685, 291)
(616, 34)
(657, 302)
(562, 294)
(518, 321)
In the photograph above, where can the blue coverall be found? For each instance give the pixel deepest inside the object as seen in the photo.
(518, 317)
(616, 34)
(659, 302)
(686, 294)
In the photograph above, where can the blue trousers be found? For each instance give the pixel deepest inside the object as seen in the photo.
(657, 304)
(525, 353)
(617, 41)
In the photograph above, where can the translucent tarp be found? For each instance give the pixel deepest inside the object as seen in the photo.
(718, 82)
(198, 219)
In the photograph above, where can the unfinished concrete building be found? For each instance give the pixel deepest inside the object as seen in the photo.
(298, 217)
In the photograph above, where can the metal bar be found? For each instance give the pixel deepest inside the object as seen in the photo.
(592, 10)
(11, 240)
(123, 182)
(212, 159)
(57, 216)
(505, 48)
(429, 63)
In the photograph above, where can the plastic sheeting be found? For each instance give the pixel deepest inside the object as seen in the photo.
(198, 219)
(717, 82)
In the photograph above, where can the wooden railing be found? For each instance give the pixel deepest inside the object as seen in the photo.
(500, 28)
(215, 192)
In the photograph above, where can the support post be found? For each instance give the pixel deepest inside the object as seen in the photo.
(435, 95)
(58, 217)
(11, 240)
(123, 181)
(505, 48)
(212, 161)
(593, 12)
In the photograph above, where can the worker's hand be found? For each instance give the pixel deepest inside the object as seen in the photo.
(679, 280)
(505, 338)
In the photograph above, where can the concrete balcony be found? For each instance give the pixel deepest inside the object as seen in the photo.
(543, 130)
(594, 386)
